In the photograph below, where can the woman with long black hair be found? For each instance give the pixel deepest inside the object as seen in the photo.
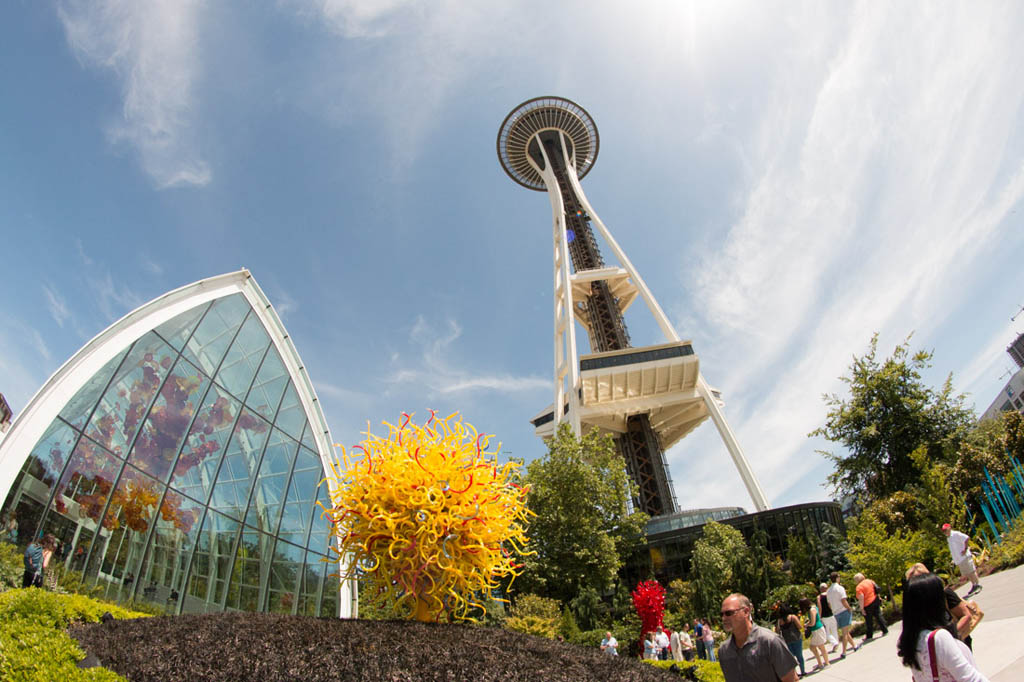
(927, 644)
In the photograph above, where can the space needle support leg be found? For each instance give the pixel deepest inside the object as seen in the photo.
(567, 368)
(732, 445)
(728, 437)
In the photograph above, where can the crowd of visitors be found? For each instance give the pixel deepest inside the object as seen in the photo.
(935, 642)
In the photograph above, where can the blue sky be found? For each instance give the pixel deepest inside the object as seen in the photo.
(788, 178)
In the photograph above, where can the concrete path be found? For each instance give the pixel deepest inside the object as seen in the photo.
(998, 640)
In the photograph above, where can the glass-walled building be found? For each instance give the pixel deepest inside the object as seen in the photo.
(668, 553)
(177, 459)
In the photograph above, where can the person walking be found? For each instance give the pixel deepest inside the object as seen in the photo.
(650, 648)
(33, 576)
(927, 645)
(836, 596)
(829, 620)
(752, 653)
(818, 637)
(698, 634)
(49, 572)
(686, 643)
(609, 644)
(675, 646)
(870, 606)
(709, 641)
(962, 557)
(664, 645)
(960, 615)
(789, 626)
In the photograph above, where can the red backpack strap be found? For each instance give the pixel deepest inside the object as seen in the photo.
(931, 656)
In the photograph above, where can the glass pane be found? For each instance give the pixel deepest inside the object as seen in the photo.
(157, 445)
(211, 565)
(320, 536)
(124, 405)
(329, 602)
(177, 329)
(214, 334)
(161, 579)
(312, 582)
(197, 465)
(291, 417)
(35, 482)
(285, 572)
(251, 569)
(268, 495)
(241, 460)
(77, 411)
(86, 483)
(129, 516)
(307, 438)
(242, 361)
(298, 506)
(269, 385)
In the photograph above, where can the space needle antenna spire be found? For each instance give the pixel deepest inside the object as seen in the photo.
(648, 397)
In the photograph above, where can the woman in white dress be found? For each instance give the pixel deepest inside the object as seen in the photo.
(926, 644)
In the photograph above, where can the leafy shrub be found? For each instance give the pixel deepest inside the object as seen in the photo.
(57, 610)
(33, 644)
(11, 566)
(1010, 552)
(534, 615)
(592, 638)
(786, 594)
(706, 671)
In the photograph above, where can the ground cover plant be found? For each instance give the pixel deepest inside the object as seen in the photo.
(269, 647)
(33, 642)
(699, 670)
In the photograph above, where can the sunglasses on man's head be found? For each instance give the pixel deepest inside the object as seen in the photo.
(728, 612)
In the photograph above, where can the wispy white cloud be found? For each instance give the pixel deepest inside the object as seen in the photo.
(152, 47)
(114, 299)
(151, 266)
(436, 374)
(865, 219)
(56, 305)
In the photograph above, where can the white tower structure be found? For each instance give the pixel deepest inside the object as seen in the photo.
(649, 397)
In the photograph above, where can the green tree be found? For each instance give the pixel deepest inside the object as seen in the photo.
(881, 554)
(721, 561)
(888, 414)
(834, 549)
(583, 528)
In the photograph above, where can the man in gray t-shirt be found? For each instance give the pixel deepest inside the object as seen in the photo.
(752, 654)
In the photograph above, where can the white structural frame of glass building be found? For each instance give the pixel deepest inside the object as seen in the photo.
(42, 411)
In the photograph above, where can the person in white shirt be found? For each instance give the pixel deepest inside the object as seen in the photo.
(962, 557)
(610, 645)
(836, 596)
(926, 644)
(661, 639)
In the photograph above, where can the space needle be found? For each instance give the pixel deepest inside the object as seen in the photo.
(648, 397)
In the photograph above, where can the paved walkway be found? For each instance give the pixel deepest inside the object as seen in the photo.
(998, 644)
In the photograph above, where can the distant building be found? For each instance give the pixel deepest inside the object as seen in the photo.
(5, 414)
(1016, 350)
(1011, 397)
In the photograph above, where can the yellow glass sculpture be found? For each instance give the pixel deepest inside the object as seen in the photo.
(429, 517)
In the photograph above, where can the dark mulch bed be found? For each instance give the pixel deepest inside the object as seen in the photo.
(265, 647)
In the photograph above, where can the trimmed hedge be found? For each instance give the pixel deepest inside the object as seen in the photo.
(706, 671)
(33, 642)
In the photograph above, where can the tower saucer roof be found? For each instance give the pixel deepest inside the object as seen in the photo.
(539, 114)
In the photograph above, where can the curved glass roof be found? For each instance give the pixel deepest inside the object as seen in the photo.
(185, 473)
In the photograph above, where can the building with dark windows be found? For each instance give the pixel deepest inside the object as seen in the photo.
(177, 457)
(669, 550)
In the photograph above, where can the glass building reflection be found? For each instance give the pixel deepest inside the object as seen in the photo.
(185, 471)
